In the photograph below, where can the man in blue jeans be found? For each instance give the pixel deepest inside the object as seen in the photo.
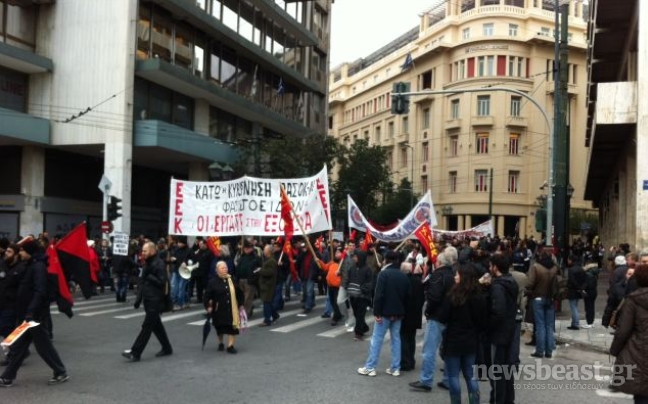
(390, 299)
(540, 288)
(437, 286)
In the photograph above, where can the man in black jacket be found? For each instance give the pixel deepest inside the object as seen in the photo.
(32, 304)
(503, 308)
(152, 291)
(437, 286)
(390, 300)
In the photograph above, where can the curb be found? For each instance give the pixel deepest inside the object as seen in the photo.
(582, 345)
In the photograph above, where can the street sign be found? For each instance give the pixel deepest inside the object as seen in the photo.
(104, 184)
(120, 243)
(106, 227)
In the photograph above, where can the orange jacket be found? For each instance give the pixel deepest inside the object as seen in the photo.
(332, 278)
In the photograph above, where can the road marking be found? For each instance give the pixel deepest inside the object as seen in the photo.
(127, 316)
(182, 315)
(608, 393)
(258, 321)
(341, 330)
(298, 325)
(98, 306)
(96, 313)
(94, 300)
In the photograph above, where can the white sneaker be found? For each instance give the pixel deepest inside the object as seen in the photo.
(367, 372)
(394, 373)
(587, 326)
(350, 329)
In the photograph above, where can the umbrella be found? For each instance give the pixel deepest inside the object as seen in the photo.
(206, 330)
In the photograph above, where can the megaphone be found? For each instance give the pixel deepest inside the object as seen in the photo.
(185, 270)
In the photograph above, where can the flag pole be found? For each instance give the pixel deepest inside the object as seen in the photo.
(398, 247)
(301, 228)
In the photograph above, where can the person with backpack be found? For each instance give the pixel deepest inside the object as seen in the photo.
(576, 283)
(542, 289)
(592, 271)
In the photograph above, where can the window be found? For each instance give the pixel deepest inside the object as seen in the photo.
(519, 67)
(452, 180)
(454, 146)
(377, 134)
(489, 29)
(425, 152)
(544, 31)
(462, 70)
(480, 66)
(366, 135)
(405, 125)
(482, 143)
(516, 104)
(424, 183)
(465, 34)
(426, 118)
(514, 144)
(513, 29)
(390, 130)
(454, 109)
(403, 158)
(481, 178)
(513, 178)
(483, 105)
(490, 65)
(426, 79)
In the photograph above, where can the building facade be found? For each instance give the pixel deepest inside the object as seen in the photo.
(617, 126)
(142, 91)
(451, 143)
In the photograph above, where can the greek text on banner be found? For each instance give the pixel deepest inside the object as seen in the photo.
(247, 206)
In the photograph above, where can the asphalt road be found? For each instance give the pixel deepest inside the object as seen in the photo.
(297, 360)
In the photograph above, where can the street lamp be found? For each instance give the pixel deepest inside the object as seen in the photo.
(412, 175)
(220, 172)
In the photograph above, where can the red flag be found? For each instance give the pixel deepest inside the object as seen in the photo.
(286, 215)
(287, 248)
(352, 237)
(74, 257)
(64, 299)
(368, 240)
(214, 243)
(54, 267)
(426, 237)
(319, 244)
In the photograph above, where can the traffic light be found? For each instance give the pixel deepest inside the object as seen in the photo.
(400, 103)
(541, 220)
(114, 208)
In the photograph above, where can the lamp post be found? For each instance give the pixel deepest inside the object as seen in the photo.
(412, 175)
(220, 172)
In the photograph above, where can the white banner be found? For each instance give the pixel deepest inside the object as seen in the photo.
(248, 206)
(424, 210)
(479, 231)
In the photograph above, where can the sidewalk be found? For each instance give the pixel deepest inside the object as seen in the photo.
(597, 338)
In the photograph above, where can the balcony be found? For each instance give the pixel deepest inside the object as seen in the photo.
(23, 129)
(184, 82)
(23, 61)
(516, 122)
(453, 124)
(482, 120)
(276, 13)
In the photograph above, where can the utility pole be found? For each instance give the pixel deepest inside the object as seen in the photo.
(561, 156)
(490, 198)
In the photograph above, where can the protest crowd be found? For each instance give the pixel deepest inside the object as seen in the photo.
(474, 297)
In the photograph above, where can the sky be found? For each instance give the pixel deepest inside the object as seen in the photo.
(359, 27)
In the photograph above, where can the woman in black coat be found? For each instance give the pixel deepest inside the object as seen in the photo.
(413, 317)
(223, 300)
(464, 313)
(359, 285)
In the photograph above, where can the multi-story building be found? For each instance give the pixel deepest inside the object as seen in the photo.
(451, 143)
(617, 126)
(143, 90)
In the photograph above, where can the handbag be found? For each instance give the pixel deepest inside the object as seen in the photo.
(243, 319)
(354, 290)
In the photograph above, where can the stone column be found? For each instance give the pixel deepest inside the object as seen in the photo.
(32, 186)
(460, 222)
(500, 226)
(523, 232)
(468, 222)
(198, 171)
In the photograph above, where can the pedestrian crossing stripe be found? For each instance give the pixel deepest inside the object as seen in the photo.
(96, 313)
(298, 325)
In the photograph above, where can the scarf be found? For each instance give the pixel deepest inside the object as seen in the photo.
(235, 310)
